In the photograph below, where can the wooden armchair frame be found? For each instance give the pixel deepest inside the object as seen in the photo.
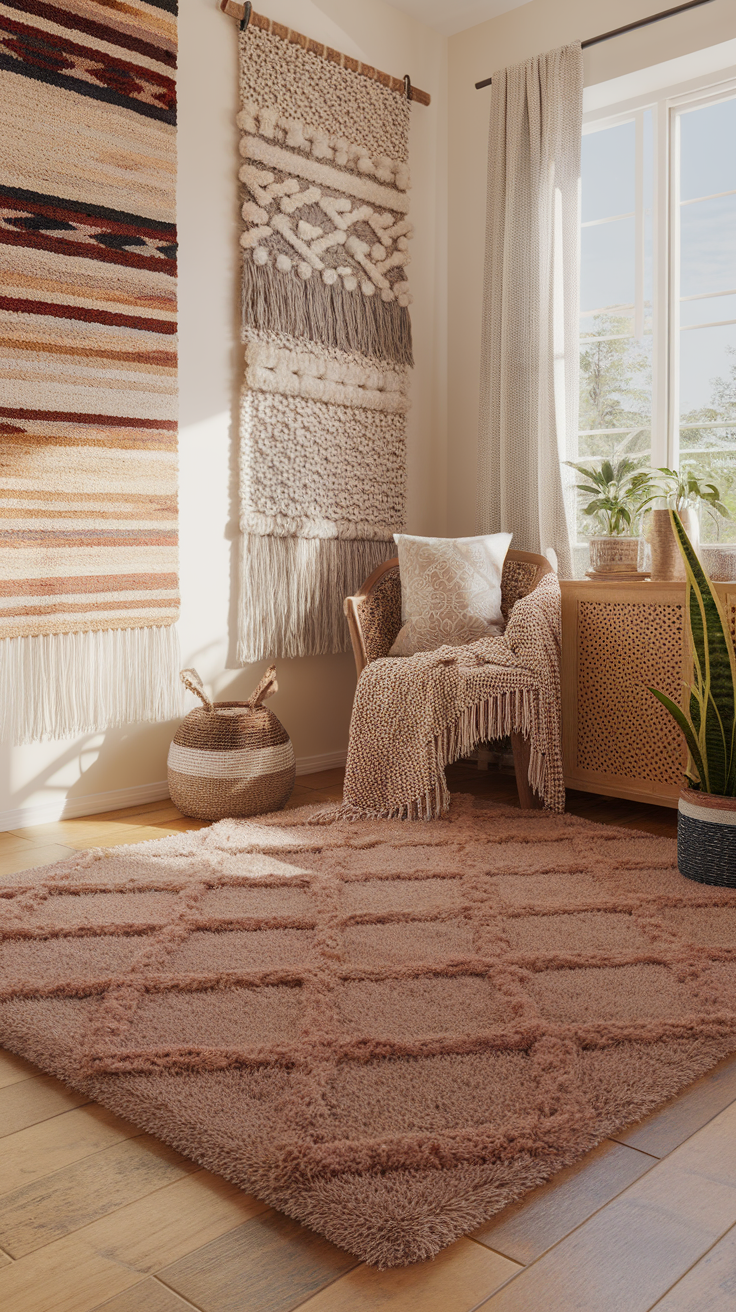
(374, 619)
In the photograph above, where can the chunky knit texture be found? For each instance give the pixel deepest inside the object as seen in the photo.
(414, 715)
(386, 1029)
(327, 339)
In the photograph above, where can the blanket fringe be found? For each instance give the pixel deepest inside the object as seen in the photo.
(292, 591)
(59, 685)
(515, 711)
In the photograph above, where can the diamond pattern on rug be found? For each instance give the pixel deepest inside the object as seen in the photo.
(386, 1029)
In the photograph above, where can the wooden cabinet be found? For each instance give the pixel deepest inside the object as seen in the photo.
(618, 640)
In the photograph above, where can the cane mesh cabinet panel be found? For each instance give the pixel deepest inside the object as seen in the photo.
(618, 640)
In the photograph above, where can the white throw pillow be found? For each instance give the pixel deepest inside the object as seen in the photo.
(450, 590)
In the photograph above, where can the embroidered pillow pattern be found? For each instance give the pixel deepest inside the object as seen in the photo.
(450, 590)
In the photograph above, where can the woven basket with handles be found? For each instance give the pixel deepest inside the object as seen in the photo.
(231, 758)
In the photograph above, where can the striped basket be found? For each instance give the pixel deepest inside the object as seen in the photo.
(230, 758)
(706, 838)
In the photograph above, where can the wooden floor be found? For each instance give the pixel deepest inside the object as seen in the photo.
(94, 1214)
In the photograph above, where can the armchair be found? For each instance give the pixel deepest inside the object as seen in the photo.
(374, 620)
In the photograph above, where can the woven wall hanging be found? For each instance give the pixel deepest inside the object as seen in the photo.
(327, 336)
(88, 418)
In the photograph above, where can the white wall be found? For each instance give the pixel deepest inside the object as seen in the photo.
(315, 694)
(473, 56)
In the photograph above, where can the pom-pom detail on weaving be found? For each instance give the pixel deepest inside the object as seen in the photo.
(327, 335)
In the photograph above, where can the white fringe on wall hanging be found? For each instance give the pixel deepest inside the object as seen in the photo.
(327, 340)
(58, 685)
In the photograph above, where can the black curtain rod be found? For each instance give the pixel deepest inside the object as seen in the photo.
(630, 27)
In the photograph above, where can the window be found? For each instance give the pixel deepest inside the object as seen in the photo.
(658, 288)
(703, 298)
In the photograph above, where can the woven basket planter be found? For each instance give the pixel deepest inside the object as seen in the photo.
(706, 838)
(230, 758)
(667, 562)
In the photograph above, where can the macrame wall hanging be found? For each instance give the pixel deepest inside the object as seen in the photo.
(326, 332)
(88, 414)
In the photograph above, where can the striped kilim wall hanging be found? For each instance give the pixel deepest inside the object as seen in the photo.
(327, 337)
(88, 419)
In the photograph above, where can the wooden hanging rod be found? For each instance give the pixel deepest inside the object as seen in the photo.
(403, 85)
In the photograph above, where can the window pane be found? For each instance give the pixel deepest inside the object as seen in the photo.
(706, 356)
(708, 246)
(707, 263)
(707, 154)
(615, 302)
(607, 269)
(707, 399)
(615, 390)
(608, 165)
(710, 309)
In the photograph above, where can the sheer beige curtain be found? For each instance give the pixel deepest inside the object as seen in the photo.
(529, 362)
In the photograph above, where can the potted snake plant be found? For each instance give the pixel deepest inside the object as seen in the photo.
(706, 821)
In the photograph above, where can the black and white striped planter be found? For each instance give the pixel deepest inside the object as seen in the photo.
(706, 838)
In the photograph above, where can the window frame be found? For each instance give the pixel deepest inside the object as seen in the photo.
(667, 105)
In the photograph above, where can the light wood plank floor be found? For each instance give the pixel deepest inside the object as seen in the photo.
(96, 1215)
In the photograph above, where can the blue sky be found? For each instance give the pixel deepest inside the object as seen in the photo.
(708, 234)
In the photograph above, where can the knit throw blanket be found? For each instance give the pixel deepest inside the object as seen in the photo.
(414, 715)
(326, 333)
(88, 417)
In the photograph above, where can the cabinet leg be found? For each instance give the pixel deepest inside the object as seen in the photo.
(528, 799)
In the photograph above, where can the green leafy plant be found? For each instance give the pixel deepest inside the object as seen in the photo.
(619, 490)
(709, 724)
(685, 489)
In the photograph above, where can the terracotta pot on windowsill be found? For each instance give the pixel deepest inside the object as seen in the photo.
(667, 561)
(706, 837)
(612, 559)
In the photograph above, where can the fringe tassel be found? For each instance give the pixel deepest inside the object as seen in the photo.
(515, 711)
(508, 712)
(292, 592)
(59, 685)
(284, 303)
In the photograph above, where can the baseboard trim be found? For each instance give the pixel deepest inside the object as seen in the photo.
(313, 764)
(118, 799)
(69, 808)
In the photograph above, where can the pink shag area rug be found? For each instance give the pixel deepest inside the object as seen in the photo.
(386, 1029)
